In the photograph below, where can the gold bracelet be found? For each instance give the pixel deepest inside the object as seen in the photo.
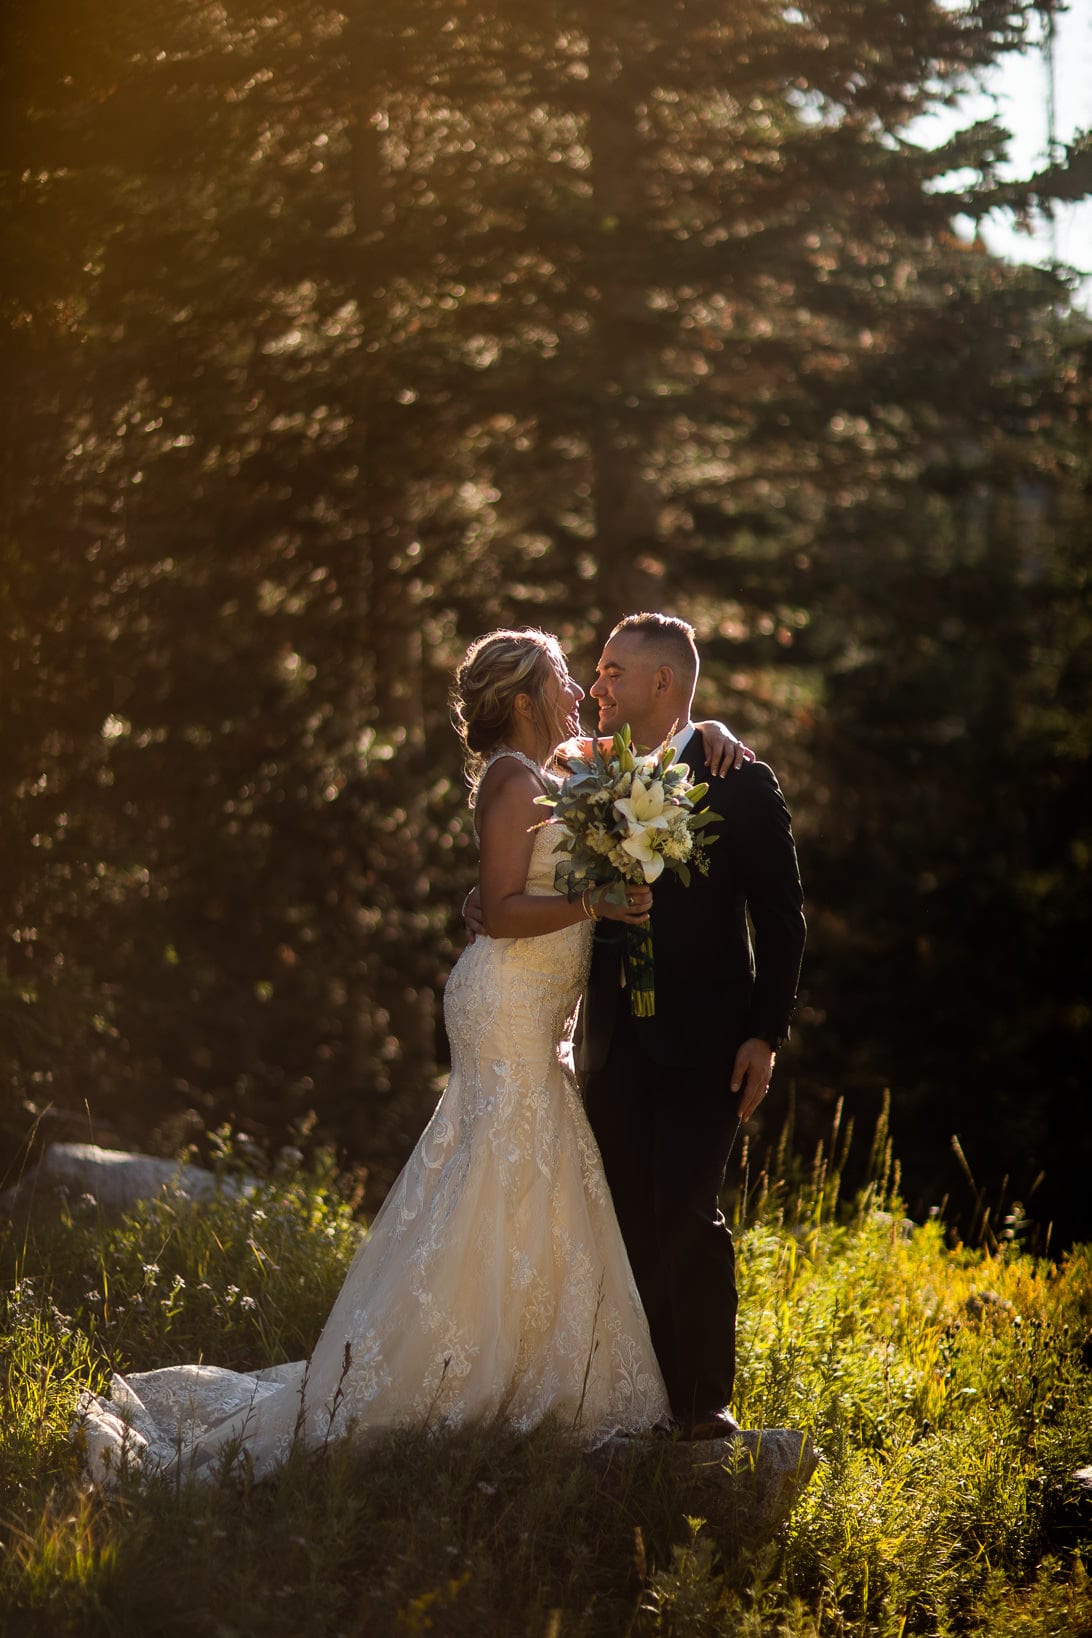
(588, 911)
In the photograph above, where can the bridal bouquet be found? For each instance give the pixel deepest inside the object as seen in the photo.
(628, 818)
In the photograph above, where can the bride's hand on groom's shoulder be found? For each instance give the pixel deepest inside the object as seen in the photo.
(724, 752)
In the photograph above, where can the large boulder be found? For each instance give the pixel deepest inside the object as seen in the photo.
(744, 1486)
(115, 1178)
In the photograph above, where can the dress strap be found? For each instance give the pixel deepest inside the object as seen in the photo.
(519, 756)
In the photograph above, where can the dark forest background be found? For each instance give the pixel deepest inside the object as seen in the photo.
(336, 334)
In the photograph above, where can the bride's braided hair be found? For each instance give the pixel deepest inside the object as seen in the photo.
(495, 669)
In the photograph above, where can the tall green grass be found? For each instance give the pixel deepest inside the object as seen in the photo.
(947, 1389)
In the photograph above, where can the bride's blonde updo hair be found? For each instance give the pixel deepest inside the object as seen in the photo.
(495, 669)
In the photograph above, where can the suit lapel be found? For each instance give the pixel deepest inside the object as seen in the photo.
(693, 754)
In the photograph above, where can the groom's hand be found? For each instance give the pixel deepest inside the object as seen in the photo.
(751, 1074)
(473, 920)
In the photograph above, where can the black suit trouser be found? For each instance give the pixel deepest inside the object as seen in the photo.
(664, 1143)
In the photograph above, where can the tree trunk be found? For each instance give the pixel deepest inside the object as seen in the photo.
(390, 1033)
(628, 540)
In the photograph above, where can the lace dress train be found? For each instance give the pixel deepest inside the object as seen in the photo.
(492, 1283)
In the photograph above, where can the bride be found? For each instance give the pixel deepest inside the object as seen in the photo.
(493, 1282)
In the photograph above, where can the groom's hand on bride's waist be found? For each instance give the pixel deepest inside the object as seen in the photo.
(751, 1074)
(473, 920)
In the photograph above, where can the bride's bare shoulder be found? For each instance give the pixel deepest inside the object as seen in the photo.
(507, 791)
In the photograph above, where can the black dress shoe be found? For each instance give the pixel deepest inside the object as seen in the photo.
(719, 1424)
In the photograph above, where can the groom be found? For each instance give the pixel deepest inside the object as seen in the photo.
(657, 1089)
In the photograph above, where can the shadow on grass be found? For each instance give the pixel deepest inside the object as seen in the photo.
(476, 1530)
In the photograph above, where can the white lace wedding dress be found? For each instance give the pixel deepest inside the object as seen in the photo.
(492, 1283)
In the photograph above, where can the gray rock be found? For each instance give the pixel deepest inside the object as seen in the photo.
(116, 1178)
(744, 1486)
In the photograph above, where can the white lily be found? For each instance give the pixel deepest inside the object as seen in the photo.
(644, 806)
(638, 847)
(643, 811)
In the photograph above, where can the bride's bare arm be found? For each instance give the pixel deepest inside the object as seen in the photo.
(724, 751)
(507, 815)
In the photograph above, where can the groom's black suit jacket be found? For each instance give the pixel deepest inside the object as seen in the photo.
(714, 988)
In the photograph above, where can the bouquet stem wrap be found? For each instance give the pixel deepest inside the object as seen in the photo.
(640, 972)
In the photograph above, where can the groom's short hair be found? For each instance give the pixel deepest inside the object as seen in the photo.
(671, 639)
